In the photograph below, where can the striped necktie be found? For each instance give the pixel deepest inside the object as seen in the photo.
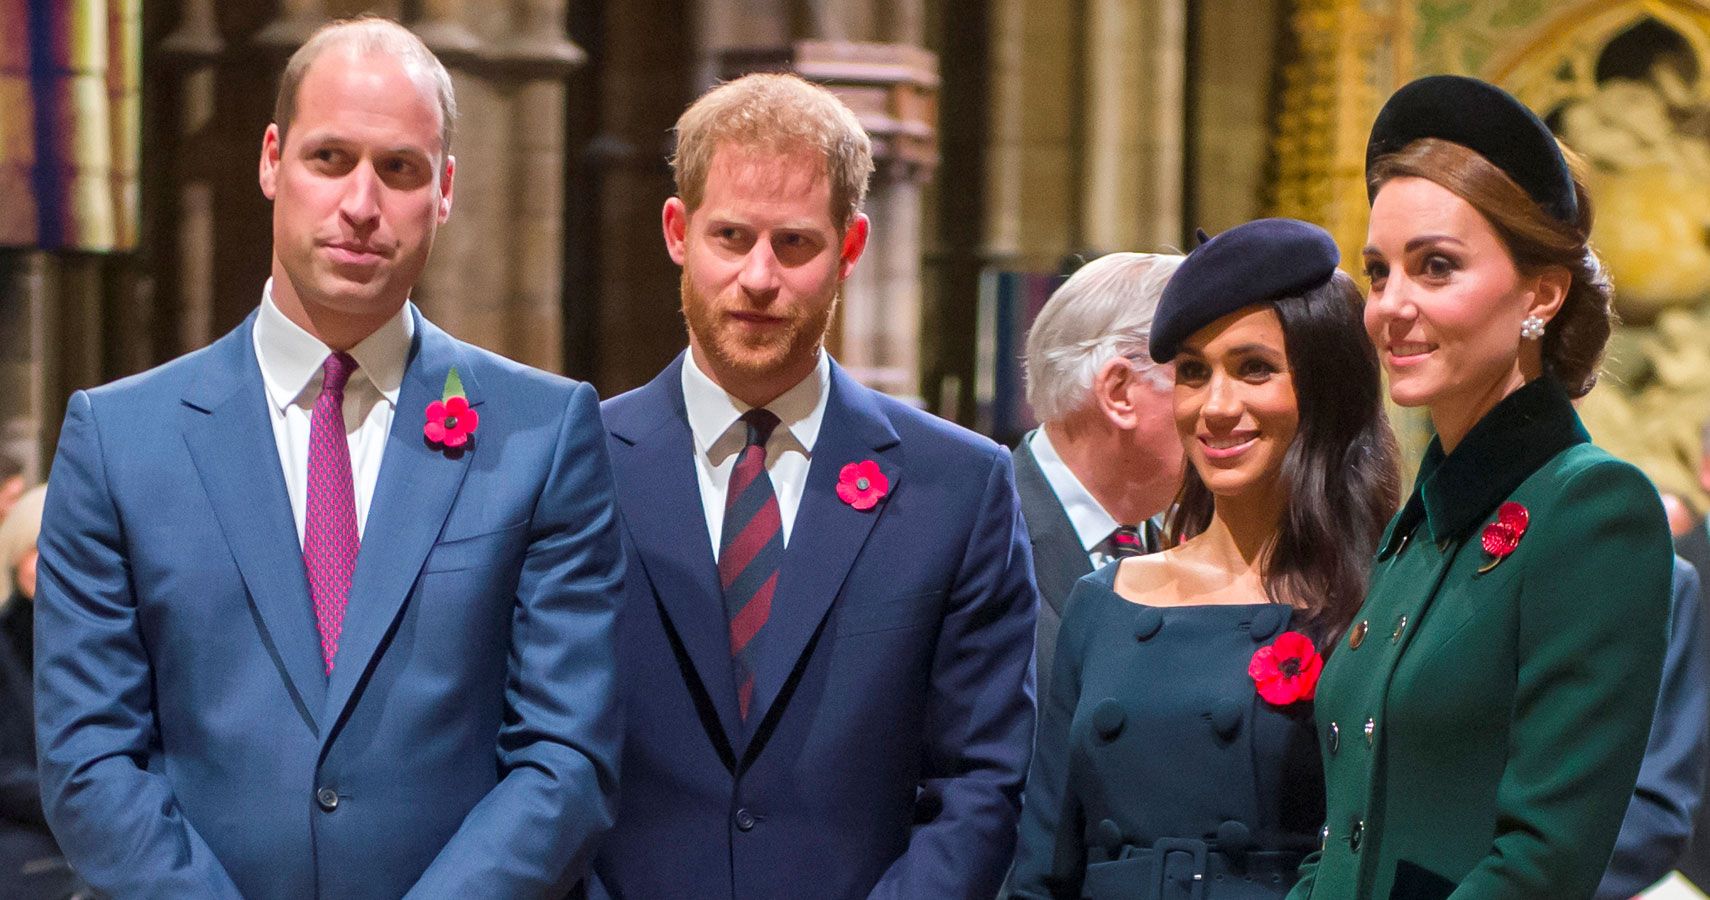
(1129, 540)
(751, 550)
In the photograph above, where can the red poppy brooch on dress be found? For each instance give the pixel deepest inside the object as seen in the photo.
(450, 419)
(1287, 670)
(862, 485)
(1503, 535)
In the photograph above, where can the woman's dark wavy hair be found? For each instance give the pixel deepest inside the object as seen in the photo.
(1340, 474)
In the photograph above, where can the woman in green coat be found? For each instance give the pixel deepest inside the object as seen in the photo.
(1482, 722)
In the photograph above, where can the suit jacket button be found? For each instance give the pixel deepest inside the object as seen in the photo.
(1147, 622)
(1226, 717)
(1334, 738)
(1108, 719)
(327, 798)
(744, 820)
(1357, 634)
(1109, 835)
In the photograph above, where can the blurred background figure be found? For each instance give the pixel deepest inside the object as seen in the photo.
(11, 483)
(1096, 477)
(31, 866)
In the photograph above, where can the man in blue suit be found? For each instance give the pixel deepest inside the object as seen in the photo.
(826, 652)
(307, 627)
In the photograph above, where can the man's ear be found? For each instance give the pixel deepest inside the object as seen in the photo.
(445, 188)
(1111, 387)
(854, 244)
(675, 222)
(270, 150)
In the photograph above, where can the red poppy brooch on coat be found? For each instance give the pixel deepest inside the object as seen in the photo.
(862, 485)
(450, 419)
(1287, 670)
(1503, 535)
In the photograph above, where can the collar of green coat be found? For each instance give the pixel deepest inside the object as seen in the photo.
(1454, 492)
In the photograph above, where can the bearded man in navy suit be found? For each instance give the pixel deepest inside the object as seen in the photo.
(826, 654)
(305, 626)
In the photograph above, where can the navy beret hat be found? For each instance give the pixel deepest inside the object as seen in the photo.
(1487, 120)
(1262, 260)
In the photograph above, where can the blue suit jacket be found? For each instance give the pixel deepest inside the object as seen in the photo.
(891, 722)
(464, 745)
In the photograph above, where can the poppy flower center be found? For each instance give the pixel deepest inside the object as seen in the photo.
(1290, 667)
(451, 421)
(862, 484)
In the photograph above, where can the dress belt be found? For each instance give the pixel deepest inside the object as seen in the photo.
(1185, 867)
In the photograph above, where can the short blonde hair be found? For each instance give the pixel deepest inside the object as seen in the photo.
(19, 532)
(1102, 312)
(367, 35)
(778, 114)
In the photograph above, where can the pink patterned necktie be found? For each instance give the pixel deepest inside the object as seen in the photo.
(330, 540)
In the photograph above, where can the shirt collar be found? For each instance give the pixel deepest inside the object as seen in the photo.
(291, 358)
(713, 412)
(1455, 491)
(1092, 523)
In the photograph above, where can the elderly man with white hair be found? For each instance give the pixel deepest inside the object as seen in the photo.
(1100, 471)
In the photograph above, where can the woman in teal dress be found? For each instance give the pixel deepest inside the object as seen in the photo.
(1175, 755)
(1483, 720)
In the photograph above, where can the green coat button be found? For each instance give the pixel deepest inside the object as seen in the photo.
(1357, 634)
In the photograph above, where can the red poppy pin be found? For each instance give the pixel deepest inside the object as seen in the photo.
(1287, 670)
(450, 419)
(1503, 535)
(862, 485)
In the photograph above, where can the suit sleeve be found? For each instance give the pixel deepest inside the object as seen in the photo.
(1051, 855)
(534, 833)
(979, 717)
(1671, 779)
(119, 824)
(1592, 633)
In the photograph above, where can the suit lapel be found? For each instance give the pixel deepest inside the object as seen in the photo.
(670, 533)
(230, 439)
(828, 534)
(1058, 557)
(417, 484)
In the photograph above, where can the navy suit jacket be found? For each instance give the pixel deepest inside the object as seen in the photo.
(466, 741)
(892, 716)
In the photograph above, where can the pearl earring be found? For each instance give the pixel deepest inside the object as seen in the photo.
(1532, 328)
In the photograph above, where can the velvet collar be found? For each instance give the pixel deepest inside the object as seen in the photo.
(1456, 491)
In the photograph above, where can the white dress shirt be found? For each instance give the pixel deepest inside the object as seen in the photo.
(1092, 524)
(291, 361)
(719, 438)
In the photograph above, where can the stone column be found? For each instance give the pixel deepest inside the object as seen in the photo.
(1133, 83)
(1033, 164)
(193, 49)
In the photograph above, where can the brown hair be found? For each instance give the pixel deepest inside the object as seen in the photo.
(779, 114)
(1575, 338)
(1340, 472)
(367, 35)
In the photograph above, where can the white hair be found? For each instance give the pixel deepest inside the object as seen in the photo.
(1102, 312)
